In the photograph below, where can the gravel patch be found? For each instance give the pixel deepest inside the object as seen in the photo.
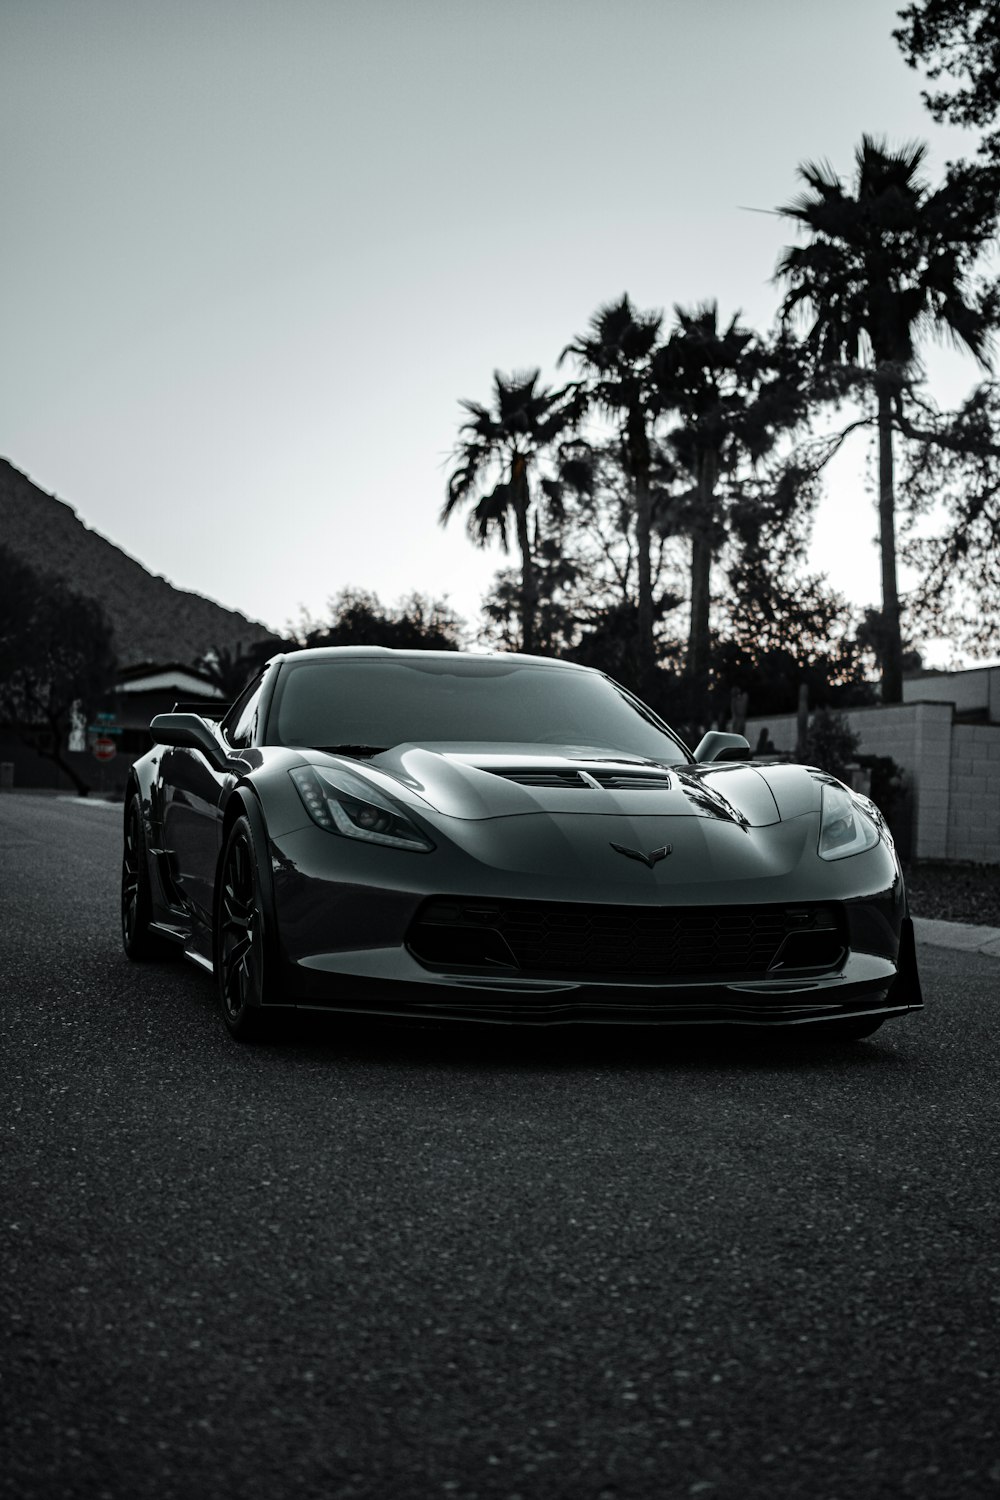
(954, 892)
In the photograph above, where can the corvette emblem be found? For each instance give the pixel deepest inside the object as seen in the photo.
(649, 859)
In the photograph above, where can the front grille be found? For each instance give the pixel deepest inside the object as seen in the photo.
(638, 942)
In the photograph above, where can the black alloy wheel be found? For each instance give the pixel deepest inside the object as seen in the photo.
(138, 941)
(241, 964)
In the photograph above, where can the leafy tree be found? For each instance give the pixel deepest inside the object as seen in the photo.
(782, 627)
(786, 631)
(960, 38)
(774, 628)
(555, 624)
(56, 656)
(953, 474)
(778, 626)
(887, 261)
(358, 618)
(505, 443)
(588, 567)
(615, 357)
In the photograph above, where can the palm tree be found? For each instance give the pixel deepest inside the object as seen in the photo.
(615, 357)
(887, 261)
(734, 393)
(506, 442)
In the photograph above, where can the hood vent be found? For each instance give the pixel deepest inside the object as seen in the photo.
(589, 778)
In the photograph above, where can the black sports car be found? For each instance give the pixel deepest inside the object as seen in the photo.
(508, 839)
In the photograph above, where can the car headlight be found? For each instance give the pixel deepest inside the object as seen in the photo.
(844, 828)
(342, 803)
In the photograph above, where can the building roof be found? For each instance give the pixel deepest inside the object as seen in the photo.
(151, 678)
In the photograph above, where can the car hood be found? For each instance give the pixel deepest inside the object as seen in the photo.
(478, 782)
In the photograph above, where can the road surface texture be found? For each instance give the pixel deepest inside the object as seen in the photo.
(401, 1263)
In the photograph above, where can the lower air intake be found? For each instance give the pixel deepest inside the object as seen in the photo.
(649, 943)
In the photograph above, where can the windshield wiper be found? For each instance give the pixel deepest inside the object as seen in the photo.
(357, 750)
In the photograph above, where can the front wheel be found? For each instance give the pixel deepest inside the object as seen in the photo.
(243, 940)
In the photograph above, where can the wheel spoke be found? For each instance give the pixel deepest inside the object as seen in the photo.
(141, 942)
(238, 930)
(130, 879)
(235, 914)
(236, 951)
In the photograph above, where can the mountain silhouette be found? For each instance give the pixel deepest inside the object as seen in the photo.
(152, 621)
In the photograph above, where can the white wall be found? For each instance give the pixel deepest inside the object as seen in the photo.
(976, 690)
(974, 810)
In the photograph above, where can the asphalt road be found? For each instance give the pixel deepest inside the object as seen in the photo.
(384, 1264)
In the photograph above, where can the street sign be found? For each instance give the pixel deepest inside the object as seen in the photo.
(105, 749)
(103, 729)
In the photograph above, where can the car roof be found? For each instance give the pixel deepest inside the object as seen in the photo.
(445, 658)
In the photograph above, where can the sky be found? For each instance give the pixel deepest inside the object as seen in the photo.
(254, 254)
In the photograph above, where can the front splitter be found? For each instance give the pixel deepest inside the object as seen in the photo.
(595, 1014)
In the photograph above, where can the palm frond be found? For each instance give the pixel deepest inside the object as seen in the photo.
(489, 517)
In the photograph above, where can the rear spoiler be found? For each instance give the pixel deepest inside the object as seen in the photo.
(205, 708)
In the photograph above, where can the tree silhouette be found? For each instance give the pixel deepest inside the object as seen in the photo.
(505, 442)
(358, 618)
(954, 472)
(960, 38)
(586, 573)
(615, 357)
(887, 261)
(734, 394)
(56, 656)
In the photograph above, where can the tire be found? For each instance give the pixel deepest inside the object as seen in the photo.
(139, 942)
(245, 972)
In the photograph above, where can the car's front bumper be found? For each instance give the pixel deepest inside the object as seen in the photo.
(344, 948)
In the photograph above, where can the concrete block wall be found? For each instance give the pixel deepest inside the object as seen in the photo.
(975, 691)
(974, 810)
(931, 779)
(884, 731)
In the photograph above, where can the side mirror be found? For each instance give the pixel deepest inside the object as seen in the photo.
(718, 746)
(188, 732)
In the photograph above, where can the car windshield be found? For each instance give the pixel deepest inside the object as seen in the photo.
(364, 705)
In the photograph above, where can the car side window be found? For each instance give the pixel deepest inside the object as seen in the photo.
(241, 719)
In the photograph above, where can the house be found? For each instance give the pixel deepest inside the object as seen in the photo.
(140, 692)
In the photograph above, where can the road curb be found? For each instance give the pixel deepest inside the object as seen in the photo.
(960, 935)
